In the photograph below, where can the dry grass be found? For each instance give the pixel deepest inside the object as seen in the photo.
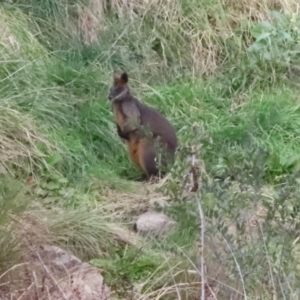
(86, 232)
(204, 31)
(16, 41)
(132, 203)
(257, 9)
(20, 140)
(91, 21)
(35, 273)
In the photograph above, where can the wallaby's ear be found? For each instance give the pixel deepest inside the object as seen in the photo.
(124, 78)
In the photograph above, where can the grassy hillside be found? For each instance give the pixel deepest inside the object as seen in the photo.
(225, 73)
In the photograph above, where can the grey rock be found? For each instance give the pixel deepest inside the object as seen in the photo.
(154, 224)
(51, 271)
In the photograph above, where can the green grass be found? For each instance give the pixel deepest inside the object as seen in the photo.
(190, 60)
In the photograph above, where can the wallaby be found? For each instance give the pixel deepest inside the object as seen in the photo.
(144, 128)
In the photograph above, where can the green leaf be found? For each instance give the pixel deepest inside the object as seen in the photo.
(277, 15)
(267, 26)
(63, 180)
(53, 159)
(40, 192)
(256, 47)
(257, 31)
(51, 186)
(263, 36)
(287, 37)
(267, 56)
(209, 201)
(102, 263)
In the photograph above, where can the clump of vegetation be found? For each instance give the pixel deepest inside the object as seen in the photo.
(225, 74)
(276, 48)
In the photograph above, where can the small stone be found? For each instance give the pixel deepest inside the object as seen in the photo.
(154, 223)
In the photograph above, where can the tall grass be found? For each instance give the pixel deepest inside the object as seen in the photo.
(62, 96)
(65, 86)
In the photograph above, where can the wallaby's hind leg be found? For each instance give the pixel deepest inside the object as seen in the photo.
(147, 158)
(134, 146)
(142, 154)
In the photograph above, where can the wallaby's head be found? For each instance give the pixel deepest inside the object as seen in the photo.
(120, 89)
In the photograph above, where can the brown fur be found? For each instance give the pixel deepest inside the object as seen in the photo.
(138, 150)
(134, 147)
(141, 126)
